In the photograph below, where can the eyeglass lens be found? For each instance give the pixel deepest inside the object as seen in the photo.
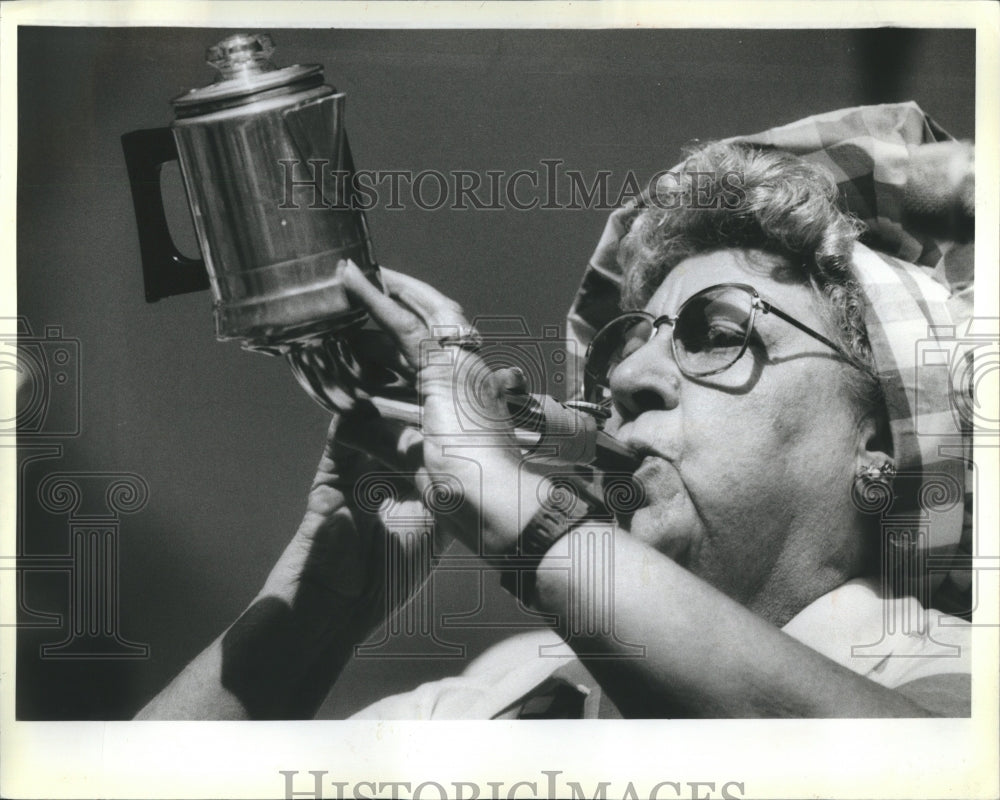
(710, 333)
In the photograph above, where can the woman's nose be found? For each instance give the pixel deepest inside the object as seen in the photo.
(647, 380)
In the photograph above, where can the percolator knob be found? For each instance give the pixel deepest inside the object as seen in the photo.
(241, 55)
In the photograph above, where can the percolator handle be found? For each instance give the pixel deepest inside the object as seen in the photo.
(165, 270)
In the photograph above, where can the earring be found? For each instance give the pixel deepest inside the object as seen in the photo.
(883, 474)
(871, 490)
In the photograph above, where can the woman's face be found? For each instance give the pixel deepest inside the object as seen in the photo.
(747, 473)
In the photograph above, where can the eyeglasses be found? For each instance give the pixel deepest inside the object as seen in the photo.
(711, 331)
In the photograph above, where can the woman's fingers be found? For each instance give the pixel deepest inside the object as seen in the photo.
(413, 311)
(394, 444)
(406, 328)
(511, 380)
(435, 308)
(469, 455)
(417, 315)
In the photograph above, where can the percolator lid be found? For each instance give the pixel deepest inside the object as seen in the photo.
(245, 68)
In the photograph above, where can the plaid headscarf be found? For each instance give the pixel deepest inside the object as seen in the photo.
(916, 278)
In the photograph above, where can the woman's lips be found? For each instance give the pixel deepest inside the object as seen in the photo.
(652, 465)
(659, 482)
(646, 479)
(648, 463)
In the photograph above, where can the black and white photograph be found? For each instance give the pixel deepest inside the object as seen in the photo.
(370, 428)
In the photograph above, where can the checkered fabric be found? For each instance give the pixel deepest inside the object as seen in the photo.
(917, 280)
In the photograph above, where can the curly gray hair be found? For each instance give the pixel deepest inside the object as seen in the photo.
(737, 195)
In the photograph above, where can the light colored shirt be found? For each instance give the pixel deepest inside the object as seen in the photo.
(889, 641)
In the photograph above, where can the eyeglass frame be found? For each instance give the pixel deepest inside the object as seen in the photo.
(756, 302)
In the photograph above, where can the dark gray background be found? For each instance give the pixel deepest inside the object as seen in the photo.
(226, 440)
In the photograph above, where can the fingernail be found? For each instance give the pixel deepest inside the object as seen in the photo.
(352, 269)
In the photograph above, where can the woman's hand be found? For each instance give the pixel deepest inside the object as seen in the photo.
(469, 452)
(329, 589)
(362, 488)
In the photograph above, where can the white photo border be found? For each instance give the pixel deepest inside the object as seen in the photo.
(767, 758)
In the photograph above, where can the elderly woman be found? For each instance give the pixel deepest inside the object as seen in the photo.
(745, 375)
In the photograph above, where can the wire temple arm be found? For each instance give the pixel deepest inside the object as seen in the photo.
(770, 309)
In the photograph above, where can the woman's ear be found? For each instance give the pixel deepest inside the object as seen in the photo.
(874, 442)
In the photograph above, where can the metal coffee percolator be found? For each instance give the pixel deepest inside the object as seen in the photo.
(249, 145)
(257, 149)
